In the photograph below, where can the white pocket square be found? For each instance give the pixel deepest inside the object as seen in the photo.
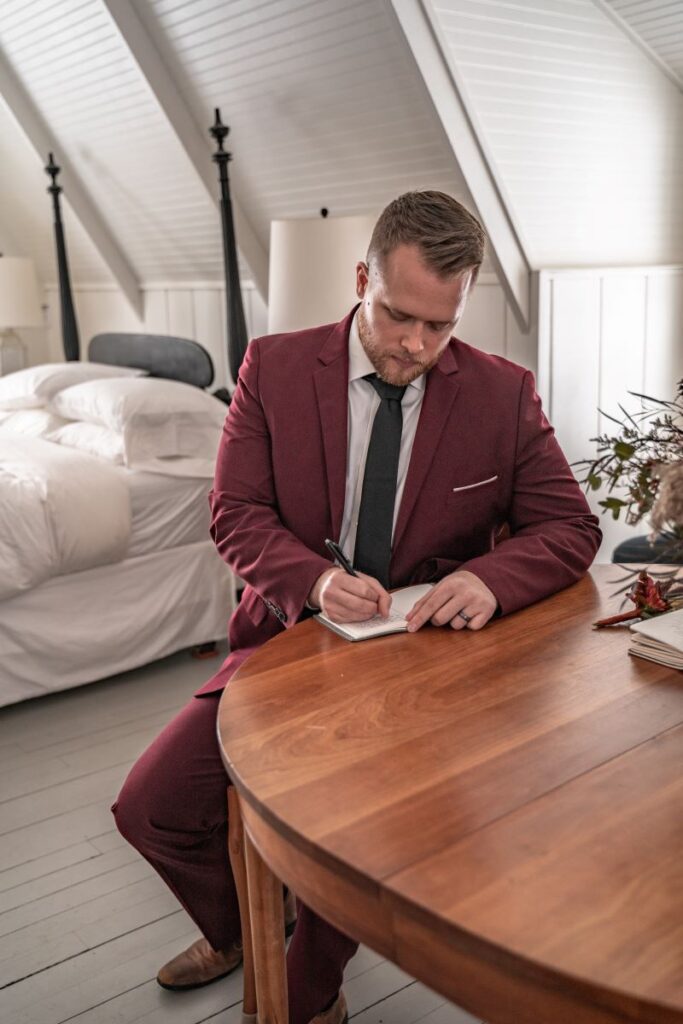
(479, 483)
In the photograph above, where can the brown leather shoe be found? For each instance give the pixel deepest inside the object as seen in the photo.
(338, 1013)
(199, 965)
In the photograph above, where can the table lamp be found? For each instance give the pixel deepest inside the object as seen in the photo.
(19, 307)
(312, 277)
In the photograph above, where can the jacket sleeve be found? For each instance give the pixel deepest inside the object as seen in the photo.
(245, 524)
(554, 536)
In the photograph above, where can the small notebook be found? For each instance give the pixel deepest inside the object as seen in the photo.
(659, 639)
(402, 601)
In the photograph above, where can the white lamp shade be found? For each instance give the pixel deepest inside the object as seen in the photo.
(19, 295)
(313, 269)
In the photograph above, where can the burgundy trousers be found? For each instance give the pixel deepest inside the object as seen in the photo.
(173, 810)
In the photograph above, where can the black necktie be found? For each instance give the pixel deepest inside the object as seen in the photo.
(376, 514)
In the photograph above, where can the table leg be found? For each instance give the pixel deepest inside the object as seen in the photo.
(268, 934)
(239, 870)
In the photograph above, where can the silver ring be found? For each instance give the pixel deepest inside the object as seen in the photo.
(465, 617)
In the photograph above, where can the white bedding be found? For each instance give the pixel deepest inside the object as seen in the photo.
(102, 568)
(61, 511)
(166, 511)
(78, 628)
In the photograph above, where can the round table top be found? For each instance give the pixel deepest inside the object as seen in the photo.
(520, 787)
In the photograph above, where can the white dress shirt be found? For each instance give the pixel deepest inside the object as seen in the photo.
(363, 404)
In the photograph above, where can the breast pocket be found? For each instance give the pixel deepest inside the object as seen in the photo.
(463, 494)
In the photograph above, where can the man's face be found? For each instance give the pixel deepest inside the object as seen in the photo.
(407, 313)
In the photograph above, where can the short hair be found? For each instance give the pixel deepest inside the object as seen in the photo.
(449, 237)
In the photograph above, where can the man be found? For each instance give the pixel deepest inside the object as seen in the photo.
(414, 451)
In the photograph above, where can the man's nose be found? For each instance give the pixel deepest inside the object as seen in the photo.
(412, 340)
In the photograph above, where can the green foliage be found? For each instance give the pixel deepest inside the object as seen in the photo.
(623, 450)
(628, 459)
(614, 505)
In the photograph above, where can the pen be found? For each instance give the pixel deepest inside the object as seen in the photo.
(337, 553)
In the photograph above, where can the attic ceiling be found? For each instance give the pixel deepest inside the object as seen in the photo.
(72, 61)
(325, 105)
(658, 24)
(25, 211)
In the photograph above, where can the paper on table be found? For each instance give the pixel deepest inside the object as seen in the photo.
(667, 628)
(660, 639)
(402, 601)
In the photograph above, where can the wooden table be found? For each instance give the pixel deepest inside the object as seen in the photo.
(498, 812)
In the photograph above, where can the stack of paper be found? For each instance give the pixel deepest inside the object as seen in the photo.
(660, 639)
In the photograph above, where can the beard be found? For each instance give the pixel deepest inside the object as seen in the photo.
(385, 366)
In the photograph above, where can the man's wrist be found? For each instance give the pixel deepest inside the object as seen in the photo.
(314, 599)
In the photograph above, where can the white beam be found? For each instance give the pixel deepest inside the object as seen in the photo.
(44, 141)
(139, 39)
(435, 63)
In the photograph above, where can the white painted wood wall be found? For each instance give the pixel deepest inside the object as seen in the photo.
(193, 310)
(197, 310)
(603, 333)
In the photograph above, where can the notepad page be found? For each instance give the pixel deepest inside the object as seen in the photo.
(377, 624)
(401, 603)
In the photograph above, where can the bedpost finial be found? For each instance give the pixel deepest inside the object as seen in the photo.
(52, 169)
(219, 131)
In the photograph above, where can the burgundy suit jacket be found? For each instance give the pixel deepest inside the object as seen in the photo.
(484, 455)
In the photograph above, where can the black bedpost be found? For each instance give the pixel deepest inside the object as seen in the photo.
(72, 348)
(237, 327)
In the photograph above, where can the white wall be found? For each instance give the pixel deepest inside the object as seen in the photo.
(197, 310)
(602, 333)
(194, 310)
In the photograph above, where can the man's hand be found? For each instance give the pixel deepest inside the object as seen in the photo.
(344, 598)
(458, 592)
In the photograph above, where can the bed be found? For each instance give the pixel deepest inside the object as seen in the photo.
(105, 557)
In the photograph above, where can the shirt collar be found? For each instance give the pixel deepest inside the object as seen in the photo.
(359, 363)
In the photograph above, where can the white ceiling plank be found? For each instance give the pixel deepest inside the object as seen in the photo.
(441, 80)
(640, 40)
(44, 141)
(195, 143)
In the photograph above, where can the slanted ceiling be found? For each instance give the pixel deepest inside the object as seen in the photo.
(583, 130)
(658, 25)
(26, 215)
(328, 106)
(70, 58)
(325, 105)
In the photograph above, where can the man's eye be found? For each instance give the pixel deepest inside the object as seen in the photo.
(397, 316)
(437, 328)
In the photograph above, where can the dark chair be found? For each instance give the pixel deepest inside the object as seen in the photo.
(641, 549)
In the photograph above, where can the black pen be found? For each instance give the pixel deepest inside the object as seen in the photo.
(337, 553)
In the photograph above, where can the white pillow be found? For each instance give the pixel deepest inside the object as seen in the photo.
(35, 386)
(91, 438)
(31, 423)
(157, 418)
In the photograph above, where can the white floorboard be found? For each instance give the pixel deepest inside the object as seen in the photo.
(85, 923)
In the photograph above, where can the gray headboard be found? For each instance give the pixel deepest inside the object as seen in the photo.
(158, 354)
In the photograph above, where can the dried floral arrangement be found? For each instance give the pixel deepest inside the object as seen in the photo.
(644, 460)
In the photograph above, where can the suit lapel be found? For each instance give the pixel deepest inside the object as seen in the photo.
(332, 393)
(441, 389)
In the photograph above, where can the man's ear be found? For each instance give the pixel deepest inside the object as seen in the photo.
(362, 275)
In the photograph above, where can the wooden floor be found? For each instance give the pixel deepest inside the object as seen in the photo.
(85, 923)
